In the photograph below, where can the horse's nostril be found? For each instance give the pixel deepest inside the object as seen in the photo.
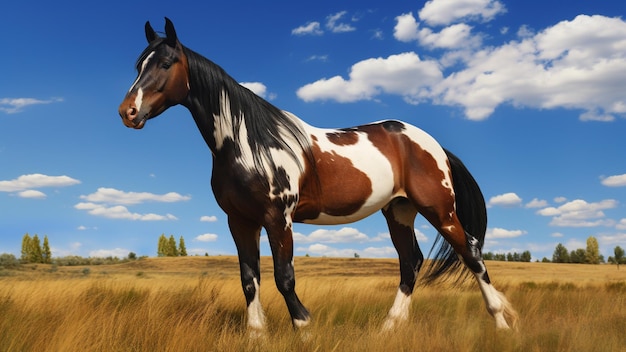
(131, 113)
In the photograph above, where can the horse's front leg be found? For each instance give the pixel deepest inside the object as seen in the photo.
(246, 236)
(280, 233)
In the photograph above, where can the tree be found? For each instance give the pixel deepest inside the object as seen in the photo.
(577, 256)
(618, 258)
(182, 250)
(560, 254)
(525, 257)
(592, 254)
(163, 244)
(35, 254)
(45, 251)
(26, 246)
(172, 251)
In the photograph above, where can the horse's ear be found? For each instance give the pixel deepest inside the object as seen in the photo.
(170, 33)
(150, 33)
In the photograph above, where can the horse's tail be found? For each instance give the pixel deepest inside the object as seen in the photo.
(471, 211)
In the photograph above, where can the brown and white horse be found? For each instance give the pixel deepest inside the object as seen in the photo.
(271, 169)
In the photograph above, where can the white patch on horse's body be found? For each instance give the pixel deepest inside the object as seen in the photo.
(365, 157)
(431, 146)
(224, 129)
(256, 317)
(399, 310)
(143, 66)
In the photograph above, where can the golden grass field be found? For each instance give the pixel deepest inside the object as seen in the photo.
(196, 304)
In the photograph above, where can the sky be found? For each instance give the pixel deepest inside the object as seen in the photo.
(529, 94)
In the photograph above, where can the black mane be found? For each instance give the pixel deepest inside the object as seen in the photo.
(267, 126)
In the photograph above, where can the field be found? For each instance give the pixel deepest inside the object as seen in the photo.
(196, 304)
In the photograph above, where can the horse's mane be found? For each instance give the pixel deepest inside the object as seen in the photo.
(267, 126)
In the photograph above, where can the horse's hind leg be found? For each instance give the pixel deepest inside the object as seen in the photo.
(468, 249)
(400, 215)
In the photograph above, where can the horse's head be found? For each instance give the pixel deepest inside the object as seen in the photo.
(162, 79)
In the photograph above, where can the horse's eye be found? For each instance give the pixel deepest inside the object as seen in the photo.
(166, 65)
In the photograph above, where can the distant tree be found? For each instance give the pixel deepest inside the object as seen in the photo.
(618, 258)
(182, 250)
(592, 254)
(163, 244)
(577, 256)
(172, 251)
(132, 256)
(525, 257)
(500, 257)
(35, 255)
(356, 255)
(560, 254)
(545, 260)
(26, 248)
(45, 251)
(509, 257)
(488, 256)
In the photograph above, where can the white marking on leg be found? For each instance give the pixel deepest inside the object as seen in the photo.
(399, 310)
(256, 317)
(495, 302)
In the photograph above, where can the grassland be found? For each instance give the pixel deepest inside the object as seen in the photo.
(196, 304)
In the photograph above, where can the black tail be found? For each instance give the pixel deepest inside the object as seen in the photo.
(471, 211)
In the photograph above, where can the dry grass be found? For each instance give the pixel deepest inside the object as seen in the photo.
(196, 304)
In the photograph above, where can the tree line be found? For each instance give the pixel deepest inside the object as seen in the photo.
(167, 247)
(33, 251)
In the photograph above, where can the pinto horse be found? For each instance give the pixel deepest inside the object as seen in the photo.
(271, 169)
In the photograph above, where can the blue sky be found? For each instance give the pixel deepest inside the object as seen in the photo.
(529, 94)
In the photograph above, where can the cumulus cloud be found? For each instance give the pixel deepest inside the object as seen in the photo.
(579, 213)
(615, 181)
(15, 105)
(114, 196)
(208, 218)
(505, 200)
(257, 88)
(31, 181)
(444, 12)
(311, 28)
(343, 235)
(207, 237)
(403, 74)
(120, 212)
(33, 194)
(536, 203)
(577, 64)
(498, 232)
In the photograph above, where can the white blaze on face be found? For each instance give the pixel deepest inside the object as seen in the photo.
(143, 67)
(139, 99)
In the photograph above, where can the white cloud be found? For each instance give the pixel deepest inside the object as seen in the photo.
(15, 105)
(114, 196)
(615, 181)
(579, 213)
(403, 74)
(444, 12)
(32, 194)
(257, 88)
(208, 218)
(311, 28)
(536, 203)
(103, 253)
(556, 235)
(560, 199)
(343, 235)
(333, 24)
(207, 237)
(505, 200)
(621, 225)
(120, 212)
(452, 37)
(497, 232)
(27, 182)
(616, 239)
(578, 64)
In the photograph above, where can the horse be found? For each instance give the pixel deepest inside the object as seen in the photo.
(271, 169)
